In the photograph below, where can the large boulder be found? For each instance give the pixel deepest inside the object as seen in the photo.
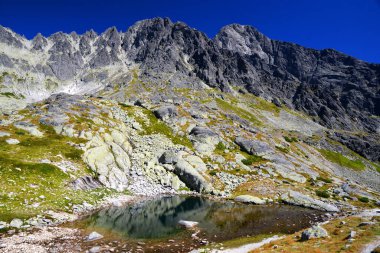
(189, 169)
(16, 223)
(204, 139)
(250, 199)
(108, 156)
(314, 232)
(299, 199)
(191, 177)
(288, 173)
(254, 147)
(165, 112)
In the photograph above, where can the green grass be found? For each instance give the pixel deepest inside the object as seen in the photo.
(264, 105)
(324, 179)
(251, 159)
(342, 160)
(8, 94)
(220, 147)
(156, 126)
(213, 172)
(283, 149)
(227, 107)
(322, 193)
(24, 178)
(363, 199)
(290, 139)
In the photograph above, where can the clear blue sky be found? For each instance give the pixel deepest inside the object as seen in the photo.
(350, 26)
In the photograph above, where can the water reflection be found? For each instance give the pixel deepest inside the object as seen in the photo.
(158, 218)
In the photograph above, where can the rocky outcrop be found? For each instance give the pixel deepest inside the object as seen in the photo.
(189, 169)
(299, 199)
(165, 112)
(108, 156)
(204, 139)
(254, 147)
(85, 183)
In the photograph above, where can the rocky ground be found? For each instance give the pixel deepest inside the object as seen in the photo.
(69, 154)
(162, 109)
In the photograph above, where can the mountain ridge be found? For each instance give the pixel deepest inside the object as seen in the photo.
(337, 90)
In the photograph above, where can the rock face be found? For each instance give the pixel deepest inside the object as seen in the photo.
(108, 156)
(339, 91)
(189, 169)
(299, 199)
(86, 183)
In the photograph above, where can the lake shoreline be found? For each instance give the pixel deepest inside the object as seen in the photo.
(72, 238)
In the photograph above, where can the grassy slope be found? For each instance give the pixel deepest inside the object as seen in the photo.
(24, 178)
(336, 242)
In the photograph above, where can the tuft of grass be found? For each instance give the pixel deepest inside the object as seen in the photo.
(342, 160)
(363, 199)
(225, 106)
(8, 94)
(290, 139)
(265, 105)
(282, 149)
(251, 159)
(220, 147)
(324, 179)
(157, 126)
(322, 194)
(213, 172)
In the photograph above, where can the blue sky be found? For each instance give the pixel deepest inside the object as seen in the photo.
(350, 26)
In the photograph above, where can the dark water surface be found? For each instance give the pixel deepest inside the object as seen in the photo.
(156, 220)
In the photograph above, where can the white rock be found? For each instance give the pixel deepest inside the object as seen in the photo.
(188, 224)
(94, 236)
(16, 223)
(12, 141)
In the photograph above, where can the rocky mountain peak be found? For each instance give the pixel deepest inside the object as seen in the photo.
(340, 91)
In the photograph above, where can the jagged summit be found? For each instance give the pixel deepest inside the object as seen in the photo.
(339, 91)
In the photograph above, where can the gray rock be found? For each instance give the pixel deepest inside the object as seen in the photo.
(165, 112)
(188, 224)
(12, 141)
(94, 236)
(191, 177)
(239, 56)
(254, 147)
(86, 183)
(351, 235)
(299, 199)
(95, 249)
(4, 134)
(250, 199)
(16, 223)
(204, 139)
(313, 232)
(168, 157)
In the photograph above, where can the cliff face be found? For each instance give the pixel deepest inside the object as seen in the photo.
(338, 91)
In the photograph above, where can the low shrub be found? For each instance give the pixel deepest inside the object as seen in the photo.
(363, 199)
(322, 194)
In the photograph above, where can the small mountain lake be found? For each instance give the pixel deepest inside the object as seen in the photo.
(152, 225)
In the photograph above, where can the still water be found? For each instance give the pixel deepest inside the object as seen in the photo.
(156, 220)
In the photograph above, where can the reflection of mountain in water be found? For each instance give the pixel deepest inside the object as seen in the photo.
(159, 217)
